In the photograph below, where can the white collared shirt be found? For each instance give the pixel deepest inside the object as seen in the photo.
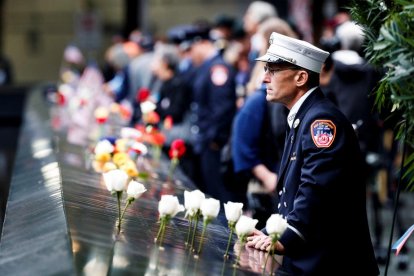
(297, 105)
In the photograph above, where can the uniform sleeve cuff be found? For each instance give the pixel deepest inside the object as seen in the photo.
(292, 240)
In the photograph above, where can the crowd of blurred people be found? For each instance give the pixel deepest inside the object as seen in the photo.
(204, 77)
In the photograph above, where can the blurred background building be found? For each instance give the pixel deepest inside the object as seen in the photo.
(34, 33)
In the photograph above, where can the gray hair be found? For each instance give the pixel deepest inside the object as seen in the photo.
(261, 10)
(350, 35)
(169, 54)
(278, 25)
(117, 56)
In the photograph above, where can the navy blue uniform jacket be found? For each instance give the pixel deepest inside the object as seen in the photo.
(322, 196)
(216, 103)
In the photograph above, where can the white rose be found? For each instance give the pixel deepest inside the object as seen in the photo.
(135, 189)
(192, 201)
(140, 147)
(245, 226)
(147, 107)
(169, 206)
(130, 133)
(104, 146)
(233, 211)
(210, 208)
(276, 224)
(115, 180)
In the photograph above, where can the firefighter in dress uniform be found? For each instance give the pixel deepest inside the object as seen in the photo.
(321, 194)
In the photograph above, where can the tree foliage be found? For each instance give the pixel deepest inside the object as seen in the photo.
(389, 30)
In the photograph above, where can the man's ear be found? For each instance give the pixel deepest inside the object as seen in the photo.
(301, 77)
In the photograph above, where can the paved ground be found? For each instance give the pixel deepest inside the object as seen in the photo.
(407, 214)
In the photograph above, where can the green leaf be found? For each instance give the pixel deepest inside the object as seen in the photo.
(409, 159)
(389, 45)
(408, 171)
(409, 7)
(381, 45)
(404, 98)
(386, 34)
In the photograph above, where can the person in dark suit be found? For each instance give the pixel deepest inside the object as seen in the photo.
(321, 194)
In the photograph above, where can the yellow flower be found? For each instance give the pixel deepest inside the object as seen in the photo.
(121, 145)
(109, 166)
(114, 108)
(130, 168)
(120, 158)
(103, 157)
(97, 166)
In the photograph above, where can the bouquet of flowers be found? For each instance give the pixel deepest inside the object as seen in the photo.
(121, 153)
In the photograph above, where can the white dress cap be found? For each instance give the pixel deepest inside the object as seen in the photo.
(295, 51)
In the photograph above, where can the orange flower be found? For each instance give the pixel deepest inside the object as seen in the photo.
(125, 111)
(158, 138)
(168, 122)
(140, 128)
(152, 118)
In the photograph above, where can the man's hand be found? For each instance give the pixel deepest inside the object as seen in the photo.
(268, 178)
(270, 182)
(263, 242)
(255, 259)
(259, 240)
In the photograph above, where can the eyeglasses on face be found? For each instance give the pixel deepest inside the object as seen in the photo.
(272, 71)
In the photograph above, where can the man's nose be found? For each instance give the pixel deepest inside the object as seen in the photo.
(266, 78)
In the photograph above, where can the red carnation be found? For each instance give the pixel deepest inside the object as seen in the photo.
(142, 94)
(101, 120)
(177, 149)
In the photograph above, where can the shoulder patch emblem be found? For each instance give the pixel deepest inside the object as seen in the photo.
(219, 75)
(323, 133)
